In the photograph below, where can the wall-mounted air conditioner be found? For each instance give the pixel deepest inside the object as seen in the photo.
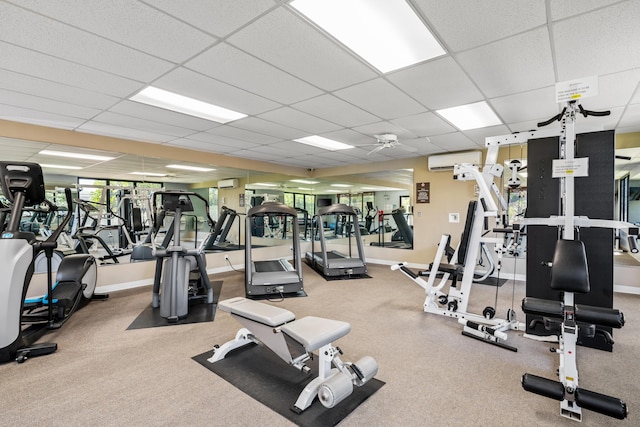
(444, 162)
(228, 183)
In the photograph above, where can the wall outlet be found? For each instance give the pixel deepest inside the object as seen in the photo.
(454, 217)
(226, 257)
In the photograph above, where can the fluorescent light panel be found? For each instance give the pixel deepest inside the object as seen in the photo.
(471, 116)
(304, 181)
(60, 166)
(76, 155)
(326, 143)
(185, 105)
(385, 33)
(148, 173)
(190, 168)
(305, 188)
(340, 185)
(264, 184)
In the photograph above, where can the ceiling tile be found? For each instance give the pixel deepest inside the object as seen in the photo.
(232, 66)
(243, 135)
(512, 65)
(425, 124)
(62, 41)
(562, 8)
(55, 91)
(218, 17)
(380, 98)
(299, 120)
(202, 146)
(336, 110)
(289, 43)
(24, 115)
(122, 132)
(631, 116)
(195, 85)
(582, 52)
(437, 84)
(275, 130)
(160, 115)
(43, 66)
(614, 90)
(453, 142)
(141, 124)
(130, 23)
(46, 105)
(222, 141)
(465, 24)
(538, 104)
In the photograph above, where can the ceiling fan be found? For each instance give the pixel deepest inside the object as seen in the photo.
(387, 140)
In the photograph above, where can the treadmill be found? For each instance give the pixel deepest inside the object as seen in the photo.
(217, 240)
(404, 230)
(275, 276)
(334, 263)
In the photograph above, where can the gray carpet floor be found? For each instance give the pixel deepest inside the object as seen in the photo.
(106, 375)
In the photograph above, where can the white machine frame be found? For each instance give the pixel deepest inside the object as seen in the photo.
(568, 370)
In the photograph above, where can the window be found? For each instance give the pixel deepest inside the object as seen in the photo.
(213, 203)
(517, 199)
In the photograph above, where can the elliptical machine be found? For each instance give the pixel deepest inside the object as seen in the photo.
(173, 290)
(22, 322)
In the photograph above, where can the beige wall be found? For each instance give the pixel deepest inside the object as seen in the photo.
(431, 220)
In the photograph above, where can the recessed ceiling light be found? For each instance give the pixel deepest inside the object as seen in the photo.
(471, 116)
(369, 188)
(340, 185)
(185, 105)
(304, 181)
(326, 143)
(305, 188)
(333, 191)
(265, 184)
(148, 173)
(76, 155)
(60, 166)
(386, 33)
(190, 168)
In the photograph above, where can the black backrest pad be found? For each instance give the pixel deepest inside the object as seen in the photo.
(22, 177)
(466, 233)
(569, 271)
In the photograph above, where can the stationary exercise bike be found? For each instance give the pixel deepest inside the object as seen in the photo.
(24, 321)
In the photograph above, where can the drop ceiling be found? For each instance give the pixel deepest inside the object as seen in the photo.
(73, 65)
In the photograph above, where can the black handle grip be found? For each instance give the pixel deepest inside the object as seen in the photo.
(557, 117)
(593, 113)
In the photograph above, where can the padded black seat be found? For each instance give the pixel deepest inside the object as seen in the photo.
(569, 271)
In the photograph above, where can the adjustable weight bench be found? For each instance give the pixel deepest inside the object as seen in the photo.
(294, 341)
(569, 274)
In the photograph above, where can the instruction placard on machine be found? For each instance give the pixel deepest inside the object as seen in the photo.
(577, 89)
(570, 167)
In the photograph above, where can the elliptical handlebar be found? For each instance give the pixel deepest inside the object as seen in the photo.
(56, 233)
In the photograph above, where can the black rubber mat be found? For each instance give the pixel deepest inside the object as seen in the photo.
(199, 311)
(348, 277)
(277, 297)
(492, 281)
(261, 374)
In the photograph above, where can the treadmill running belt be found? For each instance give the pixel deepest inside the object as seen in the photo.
(267, 266)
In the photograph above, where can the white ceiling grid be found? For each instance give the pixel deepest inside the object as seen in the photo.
(73, 65)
